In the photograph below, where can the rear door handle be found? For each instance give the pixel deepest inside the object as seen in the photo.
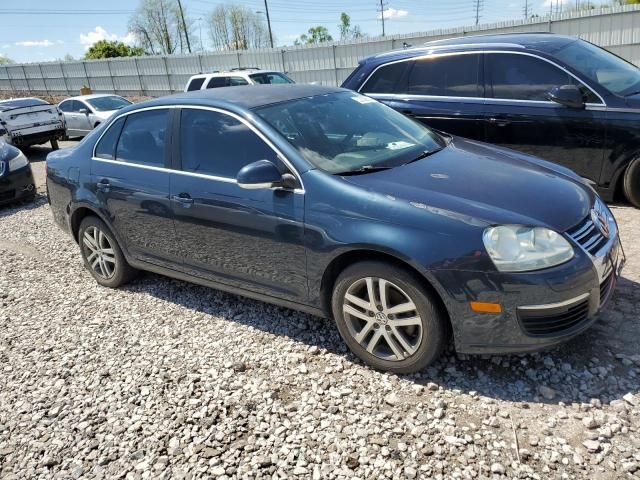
(103, 185)
(184, 199)
(499, 122)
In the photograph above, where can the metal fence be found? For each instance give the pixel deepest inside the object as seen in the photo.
(615, 28)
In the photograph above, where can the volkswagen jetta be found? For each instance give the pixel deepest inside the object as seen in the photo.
(327, 201)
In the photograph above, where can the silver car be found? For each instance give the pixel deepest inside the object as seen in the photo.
(84, 113)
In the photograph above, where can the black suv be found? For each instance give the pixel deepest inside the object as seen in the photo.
(556, 97)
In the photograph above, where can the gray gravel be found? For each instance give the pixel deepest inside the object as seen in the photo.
(164, 379)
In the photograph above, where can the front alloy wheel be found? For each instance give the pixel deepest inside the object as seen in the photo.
(388, 318)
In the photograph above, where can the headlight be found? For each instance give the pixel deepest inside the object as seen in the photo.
(515, 248)
(18, 162)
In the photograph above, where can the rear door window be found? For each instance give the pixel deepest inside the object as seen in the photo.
(195, 84)
(142, 140)
(216, 82)
(217, 144)
(522, 77)
(448, 75)
(106, 147)
(387, 79)
(237, 81)
(65, 106)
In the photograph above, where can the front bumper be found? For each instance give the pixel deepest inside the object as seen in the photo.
(539, 309)
(17, 185)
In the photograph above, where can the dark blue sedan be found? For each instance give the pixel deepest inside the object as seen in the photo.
(327, 201)
(16, 178)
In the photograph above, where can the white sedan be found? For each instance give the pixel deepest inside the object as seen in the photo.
(84, 113)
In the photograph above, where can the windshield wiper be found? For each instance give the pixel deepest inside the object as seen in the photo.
(363, 169)
(424, 154)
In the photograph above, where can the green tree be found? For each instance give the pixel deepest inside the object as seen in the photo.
(315, 35)
(5, 60)
(347, 32)
(112, 49)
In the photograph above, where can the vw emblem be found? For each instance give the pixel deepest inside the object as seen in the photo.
(381, 317)
(599, 219)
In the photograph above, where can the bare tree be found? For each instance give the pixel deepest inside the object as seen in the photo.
(162, 27)
(235, 27)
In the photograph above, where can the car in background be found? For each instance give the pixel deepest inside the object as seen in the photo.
(234, 78)
(84, 113)
(30, 121)
(556, 97)
(327, 201)
(16, 178)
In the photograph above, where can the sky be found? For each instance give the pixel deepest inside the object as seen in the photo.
(47, 30)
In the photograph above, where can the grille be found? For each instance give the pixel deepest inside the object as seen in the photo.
(542, 323)
(8, 195)
(588, 236)
(606, 287)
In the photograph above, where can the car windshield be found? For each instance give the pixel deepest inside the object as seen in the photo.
(271, 77)
(20, 103)
(106, 104)
(346, 132)
(612, 72)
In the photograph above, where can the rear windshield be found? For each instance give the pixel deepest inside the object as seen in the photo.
(20, 103)
(106, 104)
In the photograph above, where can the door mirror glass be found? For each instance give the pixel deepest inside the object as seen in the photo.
(83, 110)
(263, 174)
(567, 95)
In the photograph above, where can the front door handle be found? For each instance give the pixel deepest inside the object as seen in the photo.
(103, 185)
(184, 199)
(499, 122)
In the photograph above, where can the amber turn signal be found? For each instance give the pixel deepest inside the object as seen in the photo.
(485, 307)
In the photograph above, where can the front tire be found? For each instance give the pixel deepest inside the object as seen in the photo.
(102, 255)
(631, 183)
(387, 318)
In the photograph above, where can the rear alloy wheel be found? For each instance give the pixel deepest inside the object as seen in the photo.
(631, 183)
(102, 255)
(387, 318)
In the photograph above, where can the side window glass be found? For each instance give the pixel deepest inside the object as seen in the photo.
(142, 140)
(521, 77)
(217, 144)
(237, 81)
(449, 75)
(386, 79)
(216, 82)
(195, 84)
(65, 107)
(106, 147)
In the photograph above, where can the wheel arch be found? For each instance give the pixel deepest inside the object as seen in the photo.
(79, 214)
(351, 257)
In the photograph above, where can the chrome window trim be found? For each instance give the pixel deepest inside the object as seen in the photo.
(478, 52)
(255, 130)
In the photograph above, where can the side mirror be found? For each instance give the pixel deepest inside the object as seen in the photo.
(567, 95)
(84, 110)
(264, 174)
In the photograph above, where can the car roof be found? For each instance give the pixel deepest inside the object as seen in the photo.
(93, 95)
(247, 97)
(225, 73)
(543, 41)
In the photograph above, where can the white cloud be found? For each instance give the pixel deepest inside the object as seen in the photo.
(99, 33)
(35, 43)
(390, 13)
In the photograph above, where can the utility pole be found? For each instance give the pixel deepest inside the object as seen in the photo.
(526, 9)
(479, 4)
(184, 26)
(382, 15)
(266, 11)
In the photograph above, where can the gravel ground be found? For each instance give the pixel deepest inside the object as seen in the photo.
(164, 379)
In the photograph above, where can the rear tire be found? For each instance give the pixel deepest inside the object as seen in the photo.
(102, 255)
(631, 183)
(54, 144)
(402, 330)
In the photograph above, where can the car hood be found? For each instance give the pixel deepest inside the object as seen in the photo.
(490, 184)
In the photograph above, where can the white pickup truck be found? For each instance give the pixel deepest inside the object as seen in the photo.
(30, 121)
